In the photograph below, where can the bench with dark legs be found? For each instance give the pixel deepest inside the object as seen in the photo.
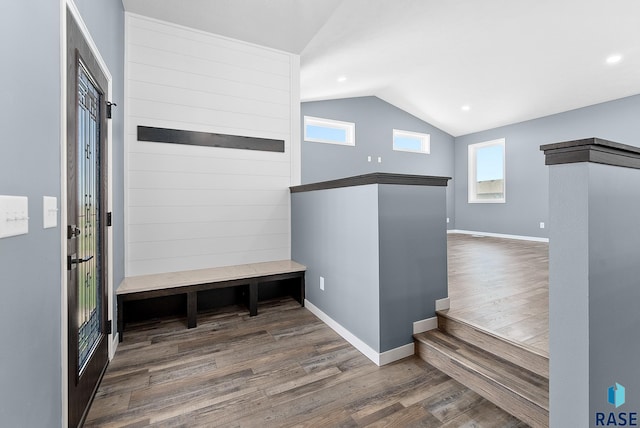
(191, 282)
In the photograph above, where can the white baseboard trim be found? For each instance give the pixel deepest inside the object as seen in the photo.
(425, 325)
(114, 345)
(379, 359)
(396, 354)
(499, 235)
(368, 351)
(443, 304)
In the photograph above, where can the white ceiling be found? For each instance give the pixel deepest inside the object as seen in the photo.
(509, 60)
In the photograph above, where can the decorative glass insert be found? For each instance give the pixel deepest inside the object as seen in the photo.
(89, 196)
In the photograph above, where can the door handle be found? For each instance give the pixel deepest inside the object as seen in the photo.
(72, 260)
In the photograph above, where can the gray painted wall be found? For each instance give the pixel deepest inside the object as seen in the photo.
(334, 233)
(375, 120)
(413, 258)
(526, 176)
(614, 286)
(593, 290)
(30, 375)
(382, 252)
(569, 296)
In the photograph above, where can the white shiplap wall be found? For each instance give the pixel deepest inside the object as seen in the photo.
(192, 207)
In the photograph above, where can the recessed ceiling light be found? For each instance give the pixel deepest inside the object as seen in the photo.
(466, 107)
(614, 59)
(342, 79)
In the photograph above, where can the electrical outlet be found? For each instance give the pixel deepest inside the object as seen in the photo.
(368, 158)
(542, 225)
(322, 283)
(447, 219)
(379, 159)
(49, 211)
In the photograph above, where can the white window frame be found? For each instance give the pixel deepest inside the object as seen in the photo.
(349, 127)
(472, 169)
(425, 141)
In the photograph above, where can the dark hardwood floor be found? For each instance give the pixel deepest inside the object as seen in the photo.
(283, 368)
(501, 285)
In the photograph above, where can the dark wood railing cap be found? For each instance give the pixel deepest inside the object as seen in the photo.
(374, 178)
(594, 150)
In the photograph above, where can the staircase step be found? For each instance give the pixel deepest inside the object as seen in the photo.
(517, 353)
(518, 391)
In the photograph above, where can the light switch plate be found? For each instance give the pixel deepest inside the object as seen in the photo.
(49, 211)
(14, 215)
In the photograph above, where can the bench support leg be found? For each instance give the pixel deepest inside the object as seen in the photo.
(192, 309)
(253, 298)
(120, 304)
(302, 285)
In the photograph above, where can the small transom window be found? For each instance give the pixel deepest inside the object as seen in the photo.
(329, 131)
(407, 141)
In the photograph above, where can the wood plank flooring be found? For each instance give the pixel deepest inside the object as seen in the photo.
(501, 285)
(283, 368)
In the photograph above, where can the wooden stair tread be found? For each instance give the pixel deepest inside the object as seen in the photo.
(522, 381)
(517, 353)
(451, 316)
(517, 390)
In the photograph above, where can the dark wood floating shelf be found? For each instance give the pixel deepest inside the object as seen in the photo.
(208, 139)
(374, 178)
(594, 150)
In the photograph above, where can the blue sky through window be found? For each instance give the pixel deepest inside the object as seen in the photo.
(325, 133)
(489, 161)
(407, 143)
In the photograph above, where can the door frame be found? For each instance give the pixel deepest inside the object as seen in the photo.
(112, 338)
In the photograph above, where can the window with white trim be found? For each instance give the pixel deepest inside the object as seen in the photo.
(487, 172)
(329, 131)
(408, 141)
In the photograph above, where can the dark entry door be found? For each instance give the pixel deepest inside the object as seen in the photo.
(86, 219)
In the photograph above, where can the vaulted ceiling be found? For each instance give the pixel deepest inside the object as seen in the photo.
(461, 65)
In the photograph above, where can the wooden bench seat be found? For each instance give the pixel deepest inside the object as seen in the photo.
(193, 281)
